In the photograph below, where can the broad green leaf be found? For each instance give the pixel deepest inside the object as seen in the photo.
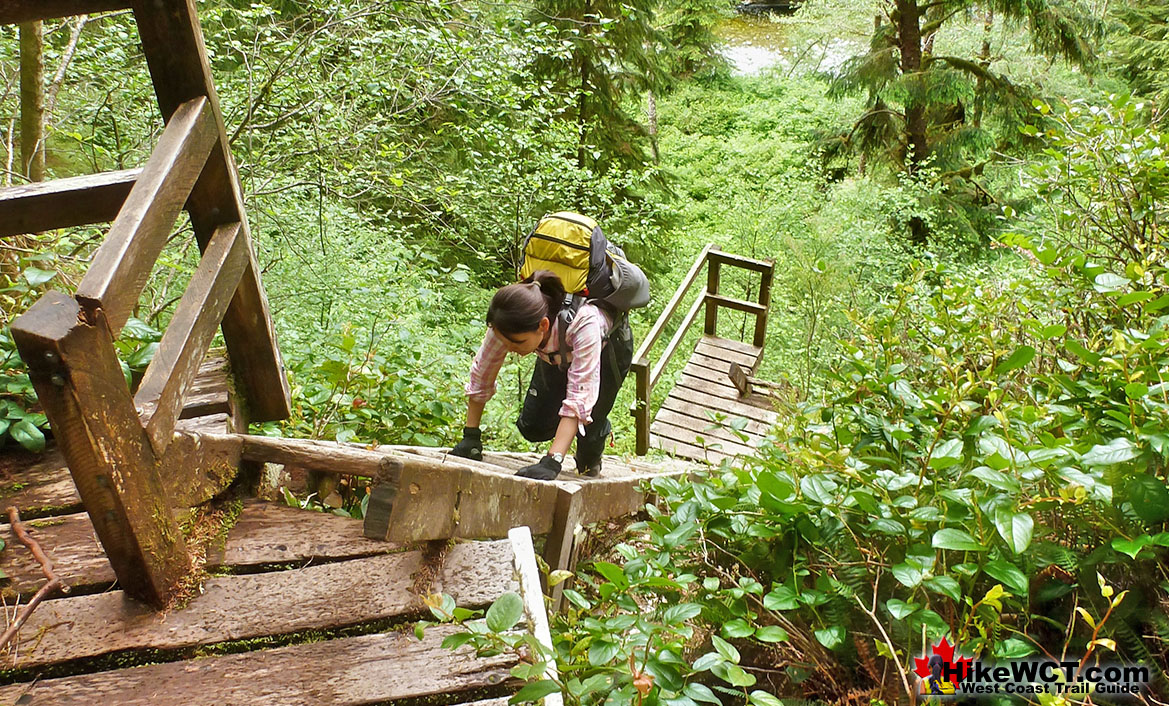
(782, 598)
(613, 573)
(36, 276)
(945, 585)
(1118, 450)
(1021, 356)
(908, 574)
(738, 628)
(701, 692)
(831, 637)
(1013, 648)
(771, 633)
(946, 454)
(1008, 574)
(681, 612)
(505, 612)
(1136, 390)
(601, 652)
(899, 609)
(27, 435)
(1015, 528)
(707, 661)
(1109, 282)
(534, 691)
(762, 698)
(956, 539)
(726, 649)
(1131, 547)
(1078, 349)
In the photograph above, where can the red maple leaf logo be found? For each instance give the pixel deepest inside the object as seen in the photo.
(946, 651)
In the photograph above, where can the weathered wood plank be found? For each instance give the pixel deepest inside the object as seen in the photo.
(707, 429)
(173, 44)
(195, 321)
(558, 548)
(533, 599)
(326, 456)
(265, 533)
(751, 408)
(461, 502)
(15, 11)
(725, 392)
(689, 436)
(746, 356)
(242, 607)
(63, 203)
(45, 488)
(755, 425)
(123, 263)
(369, 669)
(719, 364)
(731, 344)
(747, 263)
(206, 424)
(723, 302)
(677, 448)
(75, 371)
(270, 533)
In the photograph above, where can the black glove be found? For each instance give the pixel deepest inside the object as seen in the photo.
(471, 446)
(546, 468)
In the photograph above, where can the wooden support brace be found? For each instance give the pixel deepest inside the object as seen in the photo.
(533, 598)
(16, 11)
(123, 263)
(559, 548)
(173, 44)
(74, 368)
(62, 203)
(195, 321)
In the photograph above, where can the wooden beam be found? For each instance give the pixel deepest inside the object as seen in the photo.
(16, 11)
(737, 304)
(676, 341)
(712, 281)
(326, 456)
(173, 44)
(123, 263)
(75, 371)
(195, 321)
(558, 548)
(746, 263)
(533, 599)
(393, 667)
(63, 203)
(641, 400)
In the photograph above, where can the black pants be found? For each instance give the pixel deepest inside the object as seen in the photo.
(540, 416)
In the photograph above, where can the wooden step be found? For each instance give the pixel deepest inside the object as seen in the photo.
(328, 596)
(369, 669)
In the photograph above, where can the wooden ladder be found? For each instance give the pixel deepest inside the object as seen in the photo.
(119, 446)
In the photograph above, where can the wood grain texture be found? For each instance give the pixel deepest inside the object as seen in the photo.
(241, 607)
(63, 203)
(757, 425)
(75, 371)
(690, 436)
(14, 11)
(721, 349)
(369, 669)
(122, 264)
(160, 396)
(750, 407)
(173, 44)
(687, 451)
(730, 344)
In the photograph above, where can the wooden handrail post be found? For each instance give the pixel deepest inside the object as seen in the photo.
(712, 273)
(74, 367)
(641, 405)
(765, 302)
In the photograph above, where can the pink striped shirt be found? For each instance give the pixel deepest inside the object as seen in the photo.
(585, 335)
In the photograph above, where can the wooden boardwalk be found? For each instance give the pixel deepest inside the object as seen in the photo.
(686, 424)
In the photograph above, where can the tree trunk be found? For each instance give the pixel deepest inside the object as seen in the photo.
(651, 113)
(909, 44)
(32, 101)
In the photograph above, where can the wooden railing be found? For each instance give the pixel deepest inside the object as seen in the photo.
(120, 448)
(645, 377)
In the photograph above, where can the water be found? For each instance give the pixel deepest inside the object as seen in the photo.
(754, 44)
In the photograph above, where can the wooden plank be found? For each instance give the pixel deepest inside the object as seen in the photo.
(206, 424)
(195, 321)
(744, 407)
(16, 11)
(716, 363)
(368, 669)
(242, 607)
(722, 380)
(45, 488)
(744, 355)
(688, 436)
(326, 456)
(721, 302)
(731, 344)
(708, 429)
(265, 533)
(63, 203)
(78, 379)
(755, 425)
(533, 598)
(123, 263)
(683, 450)
(461, 502)
(713, 268)
(566, 521)
(173, 44)
(746, 263)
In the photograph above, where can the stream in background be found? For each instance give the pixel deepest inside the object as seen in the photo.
(756, 43)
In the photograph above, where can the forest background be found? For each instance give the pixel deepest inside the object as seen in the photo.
(966, 206)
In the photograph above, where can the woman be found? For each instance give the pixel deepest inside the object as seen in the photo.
(563, 401)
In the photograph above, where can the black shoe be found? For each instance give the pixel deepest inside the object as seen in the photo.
(588, 470)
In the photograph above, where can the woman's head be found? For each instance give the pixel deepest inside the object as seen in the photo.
(523, 313)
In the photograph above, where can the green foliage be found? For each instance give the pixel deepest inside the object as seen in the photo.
(1141, 48)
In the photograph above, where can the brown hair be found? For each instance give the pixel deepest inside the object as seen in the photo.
(518, 308)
